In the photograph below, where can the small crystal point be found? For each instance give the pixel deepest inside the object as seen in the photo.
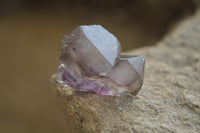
(90, 61)
(128, 70)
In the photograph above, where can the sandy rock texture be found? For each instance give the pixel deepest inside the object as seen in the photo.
(169, 100)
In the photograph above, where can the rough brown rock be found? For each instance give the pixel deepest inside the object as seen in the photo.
(169, 100)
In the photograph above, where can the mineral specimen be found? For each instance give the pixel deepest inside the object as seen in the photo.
(90, 61)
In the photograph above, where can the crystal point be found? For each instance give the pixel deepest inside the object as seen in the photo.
(90, 61)
(94, 47)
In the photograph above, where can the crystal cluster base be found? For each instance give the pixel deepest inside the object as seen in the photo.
(90, 61)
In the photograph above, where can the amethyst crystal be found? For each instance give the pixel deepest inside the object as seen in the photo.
(90, 61)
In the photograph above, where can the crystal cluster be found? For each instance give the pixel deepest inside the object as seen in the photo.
(90, 61)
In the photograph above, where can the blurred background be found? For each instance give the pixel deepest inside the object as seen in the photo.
(30, 39)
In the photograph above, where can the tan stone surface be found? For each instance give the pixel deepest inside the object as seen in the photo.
(169, 100)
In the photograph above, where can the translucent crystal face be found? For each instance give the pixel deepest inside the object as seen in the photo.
(90, 61)
(127, 70)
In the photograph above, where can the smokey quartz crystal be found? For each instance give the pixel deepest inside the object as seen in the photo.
(90, 61)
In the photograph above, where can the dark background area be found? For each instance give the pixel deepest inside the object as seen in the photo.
(30, 38)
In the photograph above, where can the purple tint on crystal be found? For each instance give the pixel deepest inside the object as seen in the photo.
(90, 87)
(103, 91)
(68, 78)
(90, 61)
